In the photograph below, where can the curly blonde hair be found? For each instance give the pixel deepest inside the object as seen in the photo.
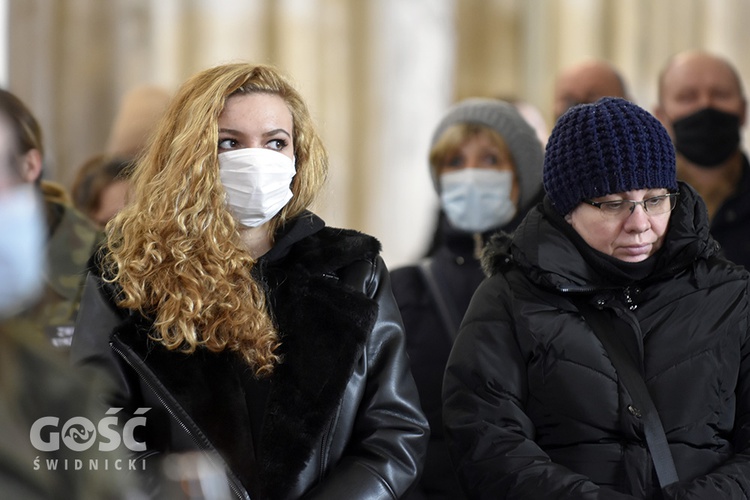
(175, 251)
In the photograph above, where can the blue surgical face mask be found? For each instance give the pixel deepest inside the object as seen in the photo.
(22, 257)
(477, 199)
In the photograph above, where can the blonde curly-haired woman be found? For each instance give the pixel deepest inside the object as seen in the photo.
(251, 329)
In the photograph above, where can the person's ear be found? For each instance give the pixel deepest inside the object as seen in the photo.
(31, 166)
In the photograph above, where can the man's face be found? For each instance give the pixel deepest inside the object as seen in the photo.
(583, 85)
(695, 82)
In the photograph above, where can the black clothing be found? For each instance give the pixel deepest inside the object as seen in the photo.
(339, 418)
(533, 407)
(731, 223)
(428, 343)
(458, 273)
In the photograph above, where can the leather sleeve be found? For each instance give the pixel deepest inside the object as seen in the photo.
(390, 432)
(90, 349)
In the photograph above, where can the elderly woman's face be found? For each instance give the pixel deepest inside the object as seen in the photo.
(256, 120)
(628, 236)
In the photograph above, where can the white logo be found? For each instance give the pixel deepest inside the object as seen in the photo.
(80, 433)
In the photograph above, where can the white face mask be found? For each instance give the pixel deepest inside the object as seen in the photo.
(477, 199)
(22, 259)
(257, 182)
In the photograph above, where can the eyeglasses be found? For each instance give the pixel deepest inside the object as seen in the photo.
(656, 205)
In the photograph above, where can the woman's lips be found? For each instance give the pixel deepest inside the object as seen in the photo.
(635, 250)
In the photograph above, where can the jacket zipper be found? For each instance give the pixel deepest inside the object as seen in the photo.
(629, 299)
(201, 444)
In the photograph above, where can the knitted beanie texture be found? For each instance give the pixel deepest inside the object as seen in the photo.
(610, 146)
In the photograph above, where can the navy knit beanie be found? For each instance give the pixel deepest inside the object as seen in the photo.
(610, 146)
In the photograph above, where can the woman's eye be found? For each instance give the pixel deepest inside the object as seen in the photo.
(227, 143)
(491, 159)
(655, 201)
(277, 144)
(455, 162)
(614, 206)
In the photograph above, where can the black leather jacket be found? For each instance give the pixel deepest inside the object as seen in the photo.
(339, 418)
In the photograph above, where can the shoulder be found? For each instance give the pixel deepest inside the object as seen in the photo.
(72, 240)
(332, 249)
(346, 241)
(98, 274)
(496, 257)
(716, 270)
(73, 225)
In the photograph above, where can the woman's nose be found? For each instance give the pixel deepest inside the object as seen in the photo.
(638, 220)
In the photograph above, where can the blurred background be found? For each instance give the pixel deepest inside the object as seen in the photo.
(377, 74)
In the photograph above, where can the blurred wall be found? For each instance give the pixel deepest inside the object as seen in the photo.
(377, 74)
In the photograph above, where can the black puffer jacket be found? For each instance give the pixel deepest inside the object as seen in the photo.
(340, 416)
(532, 404)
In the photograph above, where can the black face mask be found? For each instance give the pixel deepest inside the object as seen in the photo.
(707, 137)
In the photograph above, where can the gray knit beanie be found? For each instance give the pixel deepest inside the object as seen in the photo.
(503, 118)
(610, 146)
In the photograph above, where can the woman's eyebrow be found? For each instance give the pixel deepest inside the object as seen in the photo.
(277, 131)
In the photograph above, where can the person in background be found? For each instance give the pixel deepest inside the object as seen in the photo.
(535, 404)
(34, 382)
(486, 165)
(586, 82)
(532, 115)
(255, 334)
(101, 186)
(703, 106)
(70, 239)
(139, 111)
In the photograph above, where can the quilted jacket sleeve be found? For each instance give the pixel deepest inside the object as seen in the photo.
(490, 437)
(731, 480)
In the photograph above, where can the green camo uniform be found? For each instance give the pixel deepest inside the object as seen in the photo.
(34, 383)
(73, 239)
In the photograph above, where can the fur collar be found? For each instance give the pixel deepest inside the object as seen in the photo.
(323, 322)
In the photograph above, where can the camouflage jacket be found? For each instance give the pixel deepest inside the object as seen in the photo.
(72, 240)
(46, 462)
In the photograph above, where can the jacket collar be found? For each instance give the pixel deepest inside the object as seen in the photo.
(551, 257)
(292, 232)
(323, 325)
